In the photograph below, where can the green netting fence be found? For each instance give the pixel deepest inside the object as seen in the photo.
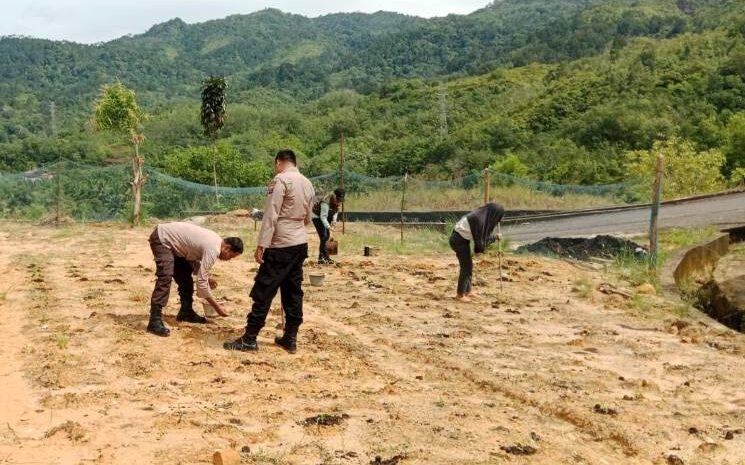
(68, 189)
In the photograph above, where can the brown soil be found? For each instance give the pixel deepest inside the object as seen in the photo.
(389, 367)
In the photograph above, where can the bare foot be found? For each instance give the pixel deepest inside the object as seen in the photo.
(463, 299)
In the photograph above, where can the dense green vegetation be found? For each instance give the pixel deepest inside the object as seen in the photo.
(567, 91)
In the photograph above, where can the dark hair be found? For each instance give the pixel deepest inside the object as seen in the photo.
(235, 243)
(340, 193)
(286, 155)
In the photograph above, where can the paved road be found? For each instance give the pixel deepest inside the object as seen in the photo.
(726, 210)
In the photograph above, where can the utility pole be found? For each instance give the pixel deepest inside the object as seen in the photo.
(442, 96)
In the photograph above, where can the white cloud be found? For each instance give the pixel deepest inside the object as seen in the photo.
(100, 20)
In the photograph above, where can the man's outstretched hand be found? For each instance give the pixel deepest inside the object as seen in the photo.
(221, 311)
(218, 308)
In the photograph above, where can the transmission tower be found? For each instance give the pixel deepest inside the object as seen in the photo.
(53, 119)
(442, 95)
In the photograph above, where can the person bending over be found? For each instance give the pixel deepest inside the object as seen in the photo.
(477, 227)
(181, 249)
(325, 213)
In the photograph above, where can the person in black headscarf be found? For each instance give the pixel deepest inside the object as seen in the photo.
(478, 226)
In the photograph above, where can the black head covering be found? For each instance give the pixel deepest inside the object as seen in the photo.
(482, 222)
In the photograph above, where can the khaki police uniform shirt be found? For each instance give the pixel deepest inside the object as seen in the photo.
(199, 246)
(289, 206)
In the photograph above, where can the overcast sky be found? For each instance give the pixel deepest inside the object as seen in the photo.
(91, 21)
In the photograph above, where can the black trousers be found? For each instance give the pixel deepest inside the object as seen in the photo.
(282, 270)
(170, 267)
(462, 248)
(324, 235)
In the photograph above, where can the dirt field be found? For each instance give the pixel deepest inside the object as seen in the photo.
(550, 368)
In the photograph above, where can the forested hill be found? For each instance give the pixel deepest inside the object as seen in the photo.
(308, 57)
(569, 91)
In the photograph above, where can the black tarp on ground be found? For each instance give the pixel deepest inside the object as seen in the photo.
(583, 249)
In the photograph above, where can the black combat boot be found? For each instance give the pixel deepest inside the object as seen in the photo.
(186, 313)
(288, 341)
(245, 343)
(156, 326)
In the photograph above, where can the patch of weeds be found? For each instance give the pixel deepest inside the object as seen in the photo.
(124, 335)
(583, 287)
(62, 340)
(139, 296)
(397, 453)
(71, 429)
(92, 294)
(637, 271)
(327, 458)
(682, 310)
(685, 237)
(440, 403)
(4, 295)
(639, 302)
(325, 419)
(67, 231)
(738, 250)
(388, 240)
(260, 457)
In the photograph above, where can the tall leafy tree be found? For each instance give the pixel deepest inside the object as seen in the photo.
(212, 115)
(117, 111)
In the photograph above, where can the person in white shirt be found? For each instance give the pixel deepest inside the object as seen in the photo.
(325, 212)
(477, 227)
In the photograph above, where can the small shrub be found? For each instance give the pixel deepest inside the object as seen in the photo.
(583, 287)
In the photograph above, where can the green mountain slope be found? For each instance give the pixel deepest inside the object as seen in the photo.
(559, 90)
(308, 57)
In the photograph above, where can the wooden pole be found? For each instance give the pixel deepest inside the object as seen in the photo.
(403, 203)
(138, 180)
(656, 198)
(136, 185)
(214, 177)
(487, 185)
(499, 254)
(341, 181)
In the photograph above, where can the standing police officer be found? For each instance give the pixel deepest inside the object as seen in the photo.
(282, 249)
